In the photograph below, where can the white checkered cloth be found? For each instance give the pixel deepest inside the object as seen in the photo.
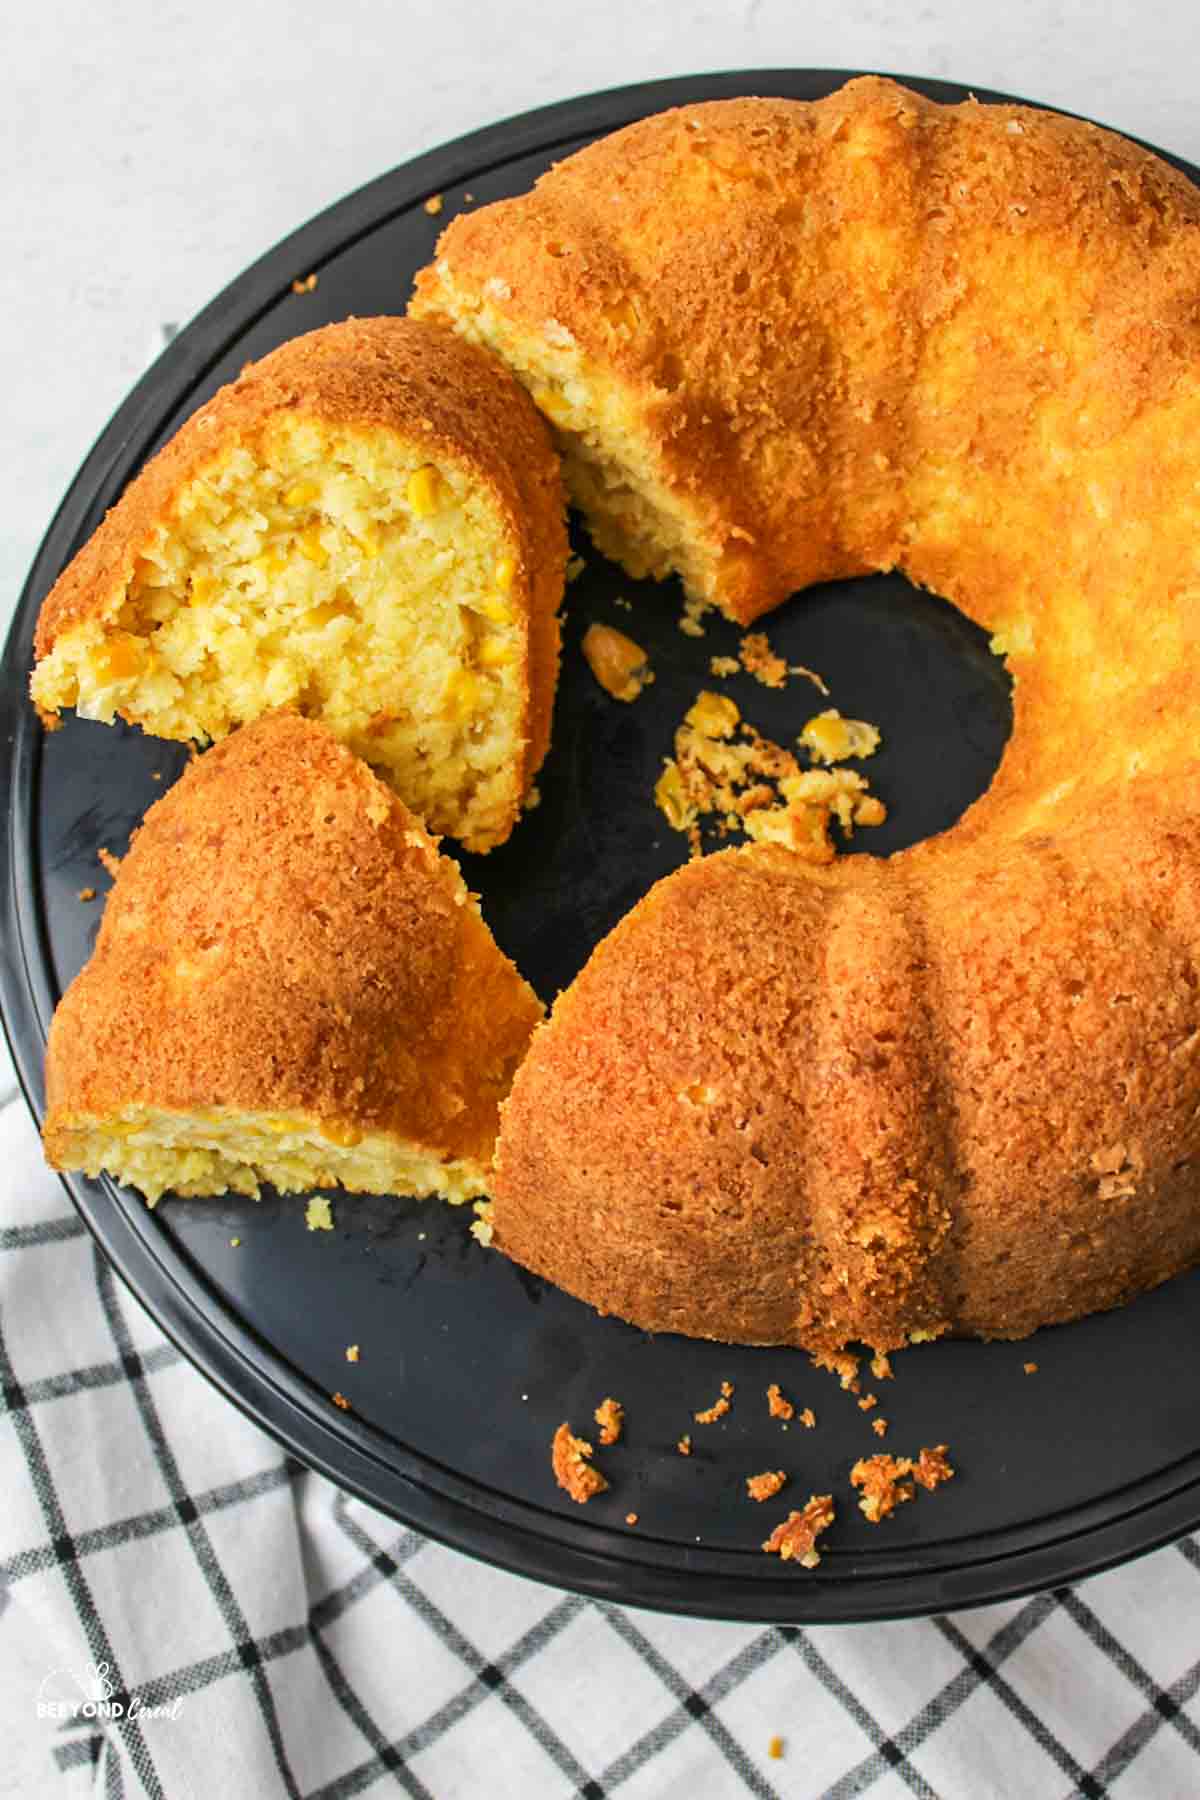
(157, 1551)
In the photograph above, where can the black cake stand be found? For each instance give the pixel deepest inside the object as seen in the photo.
(468, 1363)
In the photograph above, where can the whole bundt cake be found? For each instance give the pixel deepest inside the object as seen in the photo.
(290, 985)
(960, 1090)
(367, 526)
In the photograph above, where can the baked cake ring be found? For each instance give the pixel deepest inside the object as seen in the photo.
(957, 1091)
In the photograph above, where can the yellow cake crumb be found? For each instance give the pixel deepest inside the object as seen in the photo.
(318, 1214)
(718, 1409)
(766, 1485)
(352, 1353)
(86, 893)
(887, 1481)
(620, 666)
(572, 1470)
(434, 204)
(304, 284)
(778, 1405)
(758, 659)
(795, 1539)
(610, 1417)
(840, 1363)
(727, 773)
(879, 1427)
(829, 738)
(775, 1748)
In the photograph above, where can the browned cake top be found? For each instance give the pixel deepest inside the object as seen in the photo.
(283, 934)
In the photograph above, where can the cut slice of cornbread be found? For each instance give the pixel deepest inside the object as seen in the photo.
(366, 527)
(290, 985)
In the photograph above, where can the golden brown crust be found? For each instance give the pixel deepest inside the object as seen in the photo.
(283, 935)
(414, 379)
(957, 1091)
(832, 298)
(869, 1108)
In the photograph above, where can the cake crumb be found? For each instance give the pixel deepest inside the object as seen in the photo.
(809, 675)
(108, 862)
(86, 894)
(341, 1402)
(693, 613)
(610, 1417)
(829, 738)
(481, 1225)
(884, 1484)
(775, 1749)
(572, 1470)
(1031, 1368)
(778, 1405)
(156, 775)
(887, 1481)
(575, 568)
(724, 665)
(620, 666)
(718, 1409)
(758, 659)
(352, 1353)
(684, 1446)
(795, 1539)
(726, 773)
(839, 1363)
(766, 1485)
(235, 1243)
(304, 284)
(318, 1214)
(932, 1467)
(631, 1518)
(867, 1402)
(434, 204)
(881, 1366)
(808, 1418)
(879, 1427)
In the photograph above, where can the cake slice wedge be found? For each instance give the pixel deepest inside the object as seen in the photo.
(366, 527)
(290, 985)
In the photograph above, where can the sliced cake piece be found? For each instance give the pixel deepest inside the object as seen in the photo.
(290, 985)
(367, 527)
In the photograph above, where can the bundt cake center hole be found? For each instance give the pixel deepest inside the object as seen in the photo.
(889, 654)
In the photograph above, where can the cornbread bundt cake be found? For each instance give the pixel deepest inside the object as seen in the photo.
(290, 985)
(959, 1090)
(367, 527)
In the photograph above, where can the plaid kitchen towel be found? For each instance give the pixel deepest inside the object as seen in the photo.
(184, 1611)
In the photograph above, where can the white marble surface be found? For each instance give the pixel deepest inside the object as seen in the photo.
(151, 150)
